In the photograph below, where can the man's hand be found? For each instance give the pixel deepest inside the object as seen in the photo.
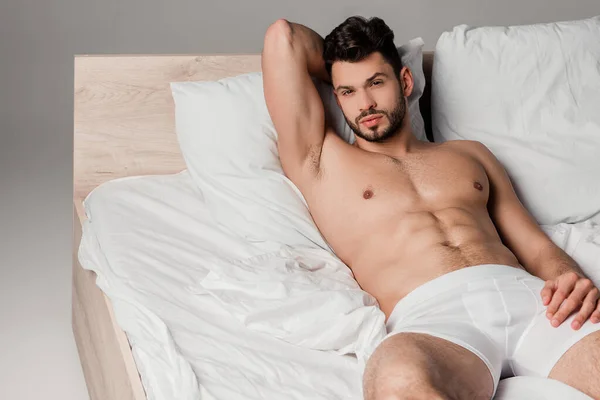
(570, 292)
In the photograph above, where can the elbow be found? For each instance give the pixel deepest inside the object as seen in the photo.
(279, 28)
(278, 34)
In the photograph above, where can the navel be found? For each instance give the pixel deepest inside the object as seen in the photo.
(477, 185)
(446, 243)
(367, 194)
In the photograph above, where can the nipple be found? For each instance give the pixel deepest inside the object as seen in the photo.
(368, 194)
(477, 185)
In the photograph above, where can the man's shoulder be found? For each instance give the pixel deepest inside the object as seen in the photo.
(465, 144)
(472, 147)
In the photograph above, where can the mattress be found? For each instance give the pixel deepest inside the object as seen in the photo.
(151, 240)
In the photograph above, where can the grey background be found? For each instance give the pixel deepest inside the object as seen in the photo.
(38, 39)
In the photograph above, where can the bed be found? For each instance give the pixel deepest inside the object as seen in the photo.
(124, 127)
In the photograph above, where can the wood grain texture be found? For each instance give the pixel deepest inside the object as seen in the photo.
(124, 113)
(108, 366)
(124, 126)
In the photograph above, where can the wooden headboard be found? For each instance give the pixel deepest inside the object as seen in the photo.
(124, 121)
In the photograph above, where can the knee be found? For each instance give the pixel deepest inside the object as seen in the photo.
(402, 383)
(405, 373)
(408, 393)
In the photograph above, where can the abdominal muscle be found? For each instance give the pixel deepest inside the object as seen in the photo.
(417, 247)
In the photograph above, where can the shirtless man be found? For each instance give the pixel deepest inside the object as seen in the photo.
(471, 287)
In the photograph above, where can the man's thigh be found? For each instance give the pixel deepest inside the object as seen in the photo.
(422, 366)
(579, 367)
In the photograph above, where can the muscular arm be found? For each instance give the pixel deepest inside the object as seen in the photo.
(517, 228)
(291, 54)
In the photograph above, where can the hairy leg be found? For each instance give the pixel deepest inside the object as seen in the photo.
(418, 366)
(579, 367)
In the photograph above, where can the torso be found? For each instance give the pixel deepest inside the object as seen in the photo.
(398, 223)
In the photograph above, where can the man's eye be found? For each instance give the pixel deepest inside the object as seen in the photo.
(377, 82)
(346, 92)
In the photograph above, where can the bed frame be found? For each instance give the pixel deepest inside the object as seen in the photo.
(124, 125)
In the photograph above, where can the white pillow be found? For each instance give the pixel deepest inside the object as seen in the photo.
(229, 145)
(532, 95)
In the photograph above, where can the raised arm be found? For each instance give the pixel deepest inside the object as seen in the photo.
(291, 54)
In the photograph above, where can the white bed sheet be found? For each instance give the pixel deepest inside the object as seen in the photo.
(148, 238)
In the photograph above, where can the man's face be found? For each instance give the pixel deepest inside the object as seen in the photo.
(370, 89)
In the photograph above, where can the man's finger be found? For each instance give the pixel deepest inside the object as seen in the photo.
(557, 298)
(547, 292)
(564, 287)
(588, 306)
(596, 314)
(572, 302)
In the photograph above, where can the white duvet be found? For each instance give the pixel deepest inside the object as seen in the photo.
(210, 315)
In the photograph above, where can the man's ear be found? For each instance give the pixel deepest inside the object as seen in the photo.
(407, 83)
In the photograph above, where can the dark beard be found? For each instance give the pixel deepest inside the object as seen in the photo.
(396, 118)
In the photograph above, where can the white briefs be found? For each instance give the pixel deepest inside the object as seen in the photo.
(494, 311)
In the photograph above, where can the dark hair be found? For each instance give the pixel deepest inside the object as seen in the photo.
(356, 38)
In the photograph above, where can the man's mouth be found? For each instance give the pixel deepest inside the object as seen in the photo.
(371, 120)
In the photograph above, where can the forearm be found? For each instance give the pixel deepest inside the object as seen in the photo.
(310, 44)
(551, 262)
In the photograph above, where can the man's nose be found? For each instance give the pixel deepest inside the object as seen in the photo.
(366, 101)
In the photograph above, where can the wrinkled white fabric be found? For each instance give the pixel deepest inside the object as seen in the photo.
(152, 242)
(304, 296)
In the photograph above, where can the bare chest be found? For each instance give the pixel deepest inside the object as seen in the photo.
(373, 197)
(379, 184)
